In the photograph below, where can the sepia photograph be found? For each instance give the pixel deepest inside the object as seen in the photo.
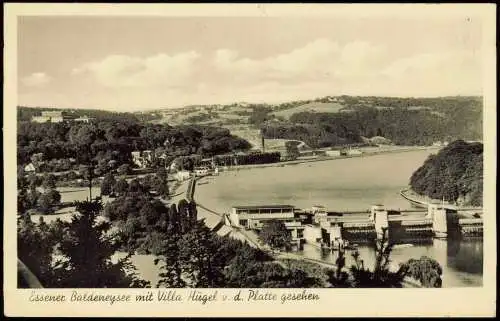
(185, 152)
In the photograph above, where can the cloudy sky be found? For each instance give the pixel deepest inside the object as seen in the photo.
(140, 63)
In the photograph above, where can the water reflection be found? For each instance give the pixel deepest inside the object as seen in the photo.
(466, 255)
(462, 260)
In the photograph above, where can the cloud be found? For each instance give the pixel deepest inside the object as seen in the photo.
(320, 59)
(37, 79)
(318, 68)
(160, 70)
(451, 72)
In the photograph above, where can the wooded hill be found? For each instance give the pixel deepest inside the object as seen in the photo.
(455, 174)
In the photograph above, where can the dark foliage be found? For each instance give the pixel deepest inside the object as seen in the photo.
(455, 174)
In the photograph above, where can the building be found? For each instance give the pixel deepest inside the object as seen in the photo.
(254, 217)
(201, 171)
(353, 152)
(52, 117)
(143, 159)
(83, 119)
(30, 168)
(182, 176)
(333, 153)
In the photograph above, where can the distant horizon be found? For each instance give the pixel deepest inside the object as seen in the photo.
(247, 102)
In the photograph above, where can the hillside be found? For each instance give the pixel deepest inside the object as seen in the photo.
(318, 107)
(455, 174)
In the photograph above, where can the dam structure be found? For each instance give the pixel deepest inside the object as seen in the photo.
(320, 227)
(406, 226)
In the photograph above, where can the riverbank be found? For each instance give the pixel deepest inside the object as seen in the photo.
(423, 201)
(366, 151)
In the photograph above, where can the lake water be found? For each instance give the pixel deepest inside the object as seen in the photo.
(345, 184)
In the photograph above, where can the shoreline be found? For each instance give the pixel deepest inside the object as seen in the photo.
(330, 158)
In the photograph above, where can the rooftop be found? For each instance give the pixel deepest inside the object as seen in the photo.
(264, 206)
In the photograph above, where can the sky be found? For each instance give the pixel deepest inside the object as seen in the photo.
(144, 63)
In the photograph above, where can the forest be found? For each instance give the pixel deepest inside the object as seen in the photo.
(109, 142)
(405, 121)
(455, 174)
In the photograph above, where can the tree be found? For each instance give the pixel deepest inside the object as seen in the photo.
(120, 187)
(197, 256)
(174, 224)
(426, 270)
(292, 150)
(35, 248)
(48, 200)
(160, 183)
(124, 169)
(32, 197)
(339, 278)
(381, 276)
(171, 270)
(183, 214)
(107, 184)
(49, 182)
(275, 234)
(88, 247)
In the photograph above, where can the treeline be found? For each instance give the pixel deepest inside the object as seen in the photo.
(402, 126)
(109, 143)
(455, 174)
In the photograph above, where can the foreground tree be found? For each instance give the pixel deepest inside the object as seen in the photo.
(169, 260)
(35, 248)
(275, 234)
(88, 247)
(381, 276)
(198, 258)
(426, 270)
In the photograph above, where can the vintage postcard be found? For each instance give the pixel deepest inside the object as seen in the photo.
(186, 160)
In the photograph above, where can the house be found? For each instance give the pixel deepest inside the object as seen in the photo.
(30, 168)
(36, 158)
(51, 116)
(83, 119)
(201, 171)
(182, 176)
(142, 159)
(333, 153)
(353, 152)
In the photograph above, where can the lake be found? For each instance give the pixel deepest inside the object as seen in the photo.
(345, 184)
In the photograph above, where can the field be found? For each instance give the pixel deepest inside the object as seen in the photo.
(312, 107)
(253, 137)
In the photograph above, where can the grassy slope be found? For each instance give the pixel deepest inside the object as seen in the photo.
(314, 106)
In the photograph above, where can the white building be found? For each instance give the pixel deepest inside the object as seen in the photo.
(83, 119)
(201, 171)
(51, 116)
(334, 153)
(30, 168)
(182, 176)
(354, 152)
(254, 217)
